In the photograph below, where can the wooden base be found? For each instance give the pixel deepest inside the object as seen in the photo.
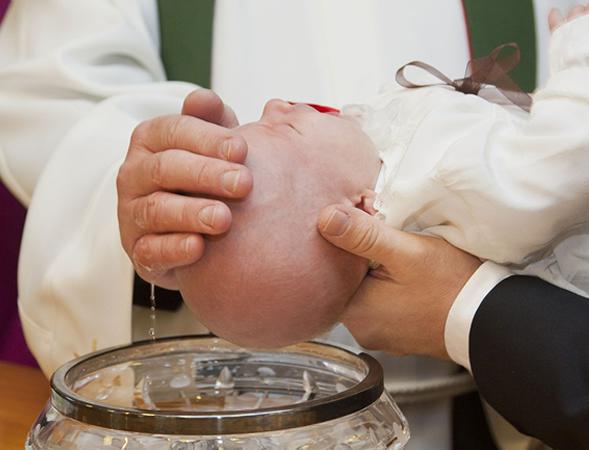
(23, 393)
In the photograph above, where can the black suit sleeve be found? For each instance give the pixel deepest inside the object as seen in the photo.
(529, 353)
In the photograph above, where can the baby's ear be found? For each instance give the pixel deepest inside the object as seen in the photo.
(366, 202)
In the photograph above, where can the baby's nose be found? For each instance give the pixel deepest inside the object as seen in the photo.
(276, 107)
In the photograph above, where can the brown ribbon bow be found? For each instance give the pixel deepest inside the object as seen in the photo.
(491, 70)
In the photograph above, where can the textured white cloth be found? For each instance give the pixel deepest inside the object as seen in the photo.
(504, 185)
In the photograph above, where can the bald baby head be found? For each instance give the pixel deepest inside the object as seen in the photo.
(272, 280)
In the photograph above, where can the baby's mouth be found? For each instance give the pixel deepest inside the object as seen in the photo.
(320, 108)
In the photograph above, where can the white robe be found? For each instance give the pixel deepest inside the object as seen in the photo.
(502, 184)
(76, 76)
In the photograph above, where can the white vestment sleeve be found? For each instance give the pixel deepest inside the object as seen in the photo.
(76, 76)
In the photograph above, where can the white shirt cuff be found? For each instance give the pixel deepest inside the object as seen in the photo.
(461, 315)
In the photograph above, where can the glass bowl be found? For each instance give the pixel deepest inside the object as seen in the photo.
(197, 393)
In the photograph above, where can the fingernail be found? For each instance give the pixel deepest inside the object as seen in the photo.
(227, 149)
(207, 215)
(231, 180)
(188, 244)
(337, 223)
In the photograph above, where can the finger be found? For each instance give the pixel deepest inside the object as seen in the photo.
(207, 105)
(361, 234)
(555, 19)
(179, 170)
(576, 11)
(154, 256)
(167, 280)
(163, 212)
(191, 134)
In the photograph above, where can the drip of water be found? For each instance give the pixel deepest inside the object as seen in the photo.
(152, 312)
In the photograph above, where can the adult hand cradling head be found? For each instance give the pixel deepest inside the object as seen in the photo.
(173, 162)
(272, 280)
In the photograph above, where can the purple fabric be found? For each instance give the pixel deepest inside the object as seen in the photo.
(12, 343)
(3, 6)
(12, 216)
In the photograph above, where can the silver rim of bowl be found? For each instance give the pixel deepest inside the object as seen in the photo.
(70, 404)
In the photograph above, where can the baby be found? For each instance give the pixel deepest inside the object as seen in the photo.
(272, 280)
(491, 179)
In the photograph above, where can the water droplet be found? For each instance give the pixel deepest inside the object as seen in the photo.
(151, 331)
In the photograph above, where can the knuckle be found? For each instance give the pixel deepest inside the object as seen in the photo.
(157, 169)
(148, 212)
(173, 129)
(202, 174)
(154, 210)
(147, 256)
(142, 253)
(186, 217)
(139, 134)
(174, 250)
(139, 215)
(123, 176)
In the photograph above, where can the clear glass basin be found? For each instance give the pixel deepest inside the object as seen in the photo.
(204, 393)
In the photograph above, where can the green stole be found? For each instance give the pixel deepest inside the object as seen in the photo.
(496, 22)
(186, 36)
(186, 28)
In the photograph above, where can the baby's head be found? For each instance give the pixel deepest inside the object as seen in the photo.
(272, 280)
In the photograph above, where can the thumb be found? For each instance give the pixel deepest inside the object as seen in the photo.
(364, 235)
(207, 105)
